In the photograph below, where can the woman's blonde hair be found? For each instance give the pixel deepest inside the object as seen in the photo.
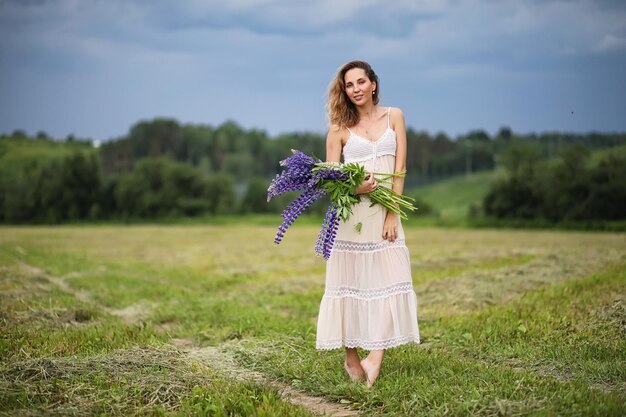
(342, 111)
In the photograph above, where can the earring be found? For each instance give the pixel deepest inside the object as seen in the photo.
(374, 92)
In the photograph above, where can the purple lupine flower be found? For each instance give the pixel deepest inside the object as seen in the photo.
(327, 171)
(303, 173)
(295, 176)
(328, 232)
(319, 243)
(284, 183)
(331, 233)
(295, 209)
(298, 165)
(298, 158)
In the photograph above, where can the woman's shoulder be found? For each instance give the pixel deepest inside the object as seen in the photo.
(396, 116)
(336, 132)
(335, 128)
(395, 111)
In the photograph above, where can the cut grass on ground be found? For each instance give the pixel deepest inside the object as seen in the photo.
(512, 323)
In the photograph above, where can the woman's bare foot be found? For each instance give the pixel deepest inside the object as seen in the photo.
(355, 371)
(352, 364)
(371, 370)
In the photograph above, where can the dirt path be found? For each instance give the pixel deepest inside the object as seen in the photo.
(213, 358)
(217, 359)
(130, 314)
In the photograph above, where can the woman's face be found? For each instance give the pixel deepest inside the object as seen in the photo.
(359, 88)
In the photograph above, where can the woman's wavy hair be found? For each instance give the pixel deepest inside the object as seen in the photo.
(342, 111)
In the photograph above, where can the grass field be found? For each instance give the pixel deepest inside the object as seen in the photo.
(217, 320)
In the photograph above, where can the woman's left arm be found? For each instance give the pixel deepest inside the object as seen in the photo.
(390, 228)
(398, 125)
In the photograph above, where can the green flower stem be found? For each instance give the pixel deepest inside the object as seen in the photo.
(341, 193)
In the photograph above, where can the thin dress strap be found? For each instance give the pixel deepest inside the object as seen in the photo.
(349, 130)
(388, 115)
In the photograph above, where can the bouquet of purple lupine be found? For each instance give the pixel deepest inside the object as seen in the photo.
(339, 181)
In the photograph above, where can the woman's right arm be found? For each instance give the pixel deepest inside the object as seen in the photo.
(333, 144)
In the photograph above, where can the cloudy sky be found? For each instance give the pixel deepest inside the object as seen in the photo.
(93, 68)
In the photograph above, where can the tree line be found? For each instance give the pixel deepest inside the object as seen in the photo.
(571, 188)
(162, 168)
(244, 154)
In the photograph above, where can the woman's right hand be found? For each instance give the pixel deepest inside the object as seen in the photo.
(368, 185)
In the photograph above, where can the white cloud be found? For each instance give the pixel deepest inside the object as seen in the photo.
(289, 49)
(611, 43)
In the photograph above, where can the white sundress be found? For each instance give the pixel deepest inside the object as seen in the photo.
(369, 301)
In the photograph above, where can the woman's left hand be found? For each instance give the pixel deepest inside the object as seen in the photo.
(390, 228)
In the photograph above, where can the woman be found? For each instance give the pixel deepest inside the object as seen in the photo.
(369, 301)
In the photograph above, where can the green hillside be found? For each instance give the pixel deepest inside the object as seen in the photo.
(597, 155)
(453, 197)
(16, 152)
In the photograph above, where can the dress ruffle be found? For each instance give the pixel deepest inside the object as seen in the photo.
(372, 324)
(369, 301)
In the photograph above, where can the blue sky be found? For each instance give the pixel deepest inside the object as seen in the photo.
(93, 68)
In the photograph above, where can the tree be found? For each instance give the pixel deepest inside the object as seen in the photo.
(512, 198)
(160, 187)
(42, 135)
(608, 191)
(520, 160)
(255, 198)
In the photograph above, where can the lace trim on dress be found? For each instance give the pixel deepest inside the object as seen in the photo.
(369, 293)
(360, 149)
(367, 344)
(369, 157)
(349, 246)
